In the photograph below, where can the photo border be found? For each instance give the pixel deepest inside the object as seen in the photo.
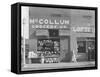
(18, 31)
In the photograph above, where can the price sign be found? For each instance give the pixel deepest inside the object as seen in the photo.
(32, 55)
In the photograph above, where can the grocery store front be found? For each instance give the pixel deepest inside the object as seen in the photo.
(53, 40)
(52, 43)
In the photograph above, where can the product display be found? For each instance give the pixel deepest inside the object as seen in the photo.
(49, 49)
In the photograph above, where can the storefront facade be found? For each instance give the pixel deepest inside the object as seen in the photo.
(58, 36)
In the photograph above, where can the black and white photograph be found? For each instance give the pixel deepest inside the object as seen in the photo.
(49, 38)
(55, 38)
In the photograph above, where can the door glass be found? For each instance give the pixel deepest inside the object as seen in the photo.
(91, 50)
(81, 46)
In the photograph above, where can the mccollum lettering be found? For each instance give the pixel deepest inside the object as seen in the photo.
(49, 21)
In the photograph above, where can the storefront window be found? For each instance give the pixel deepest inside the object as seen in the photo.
(86, 49)
(49, 50)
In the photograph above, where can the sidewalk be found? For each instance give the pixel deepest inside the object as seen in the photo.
(58, 65)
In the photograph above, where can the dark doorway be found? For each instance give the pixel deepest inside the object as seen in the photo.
(53, 32)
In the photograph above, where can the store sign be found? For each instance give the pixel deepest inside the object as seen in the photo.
(83, 29)
(32, 55)
(49, 23)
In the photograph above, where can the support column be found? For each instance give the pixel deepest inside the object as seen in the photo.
(73, 46)
(24, 29)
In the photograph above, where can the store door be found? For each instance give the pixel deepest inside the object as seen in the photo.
(82, 53)
(91, 50)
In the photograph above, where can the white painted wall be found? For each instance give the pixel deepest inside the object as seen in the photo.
(25, 22)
